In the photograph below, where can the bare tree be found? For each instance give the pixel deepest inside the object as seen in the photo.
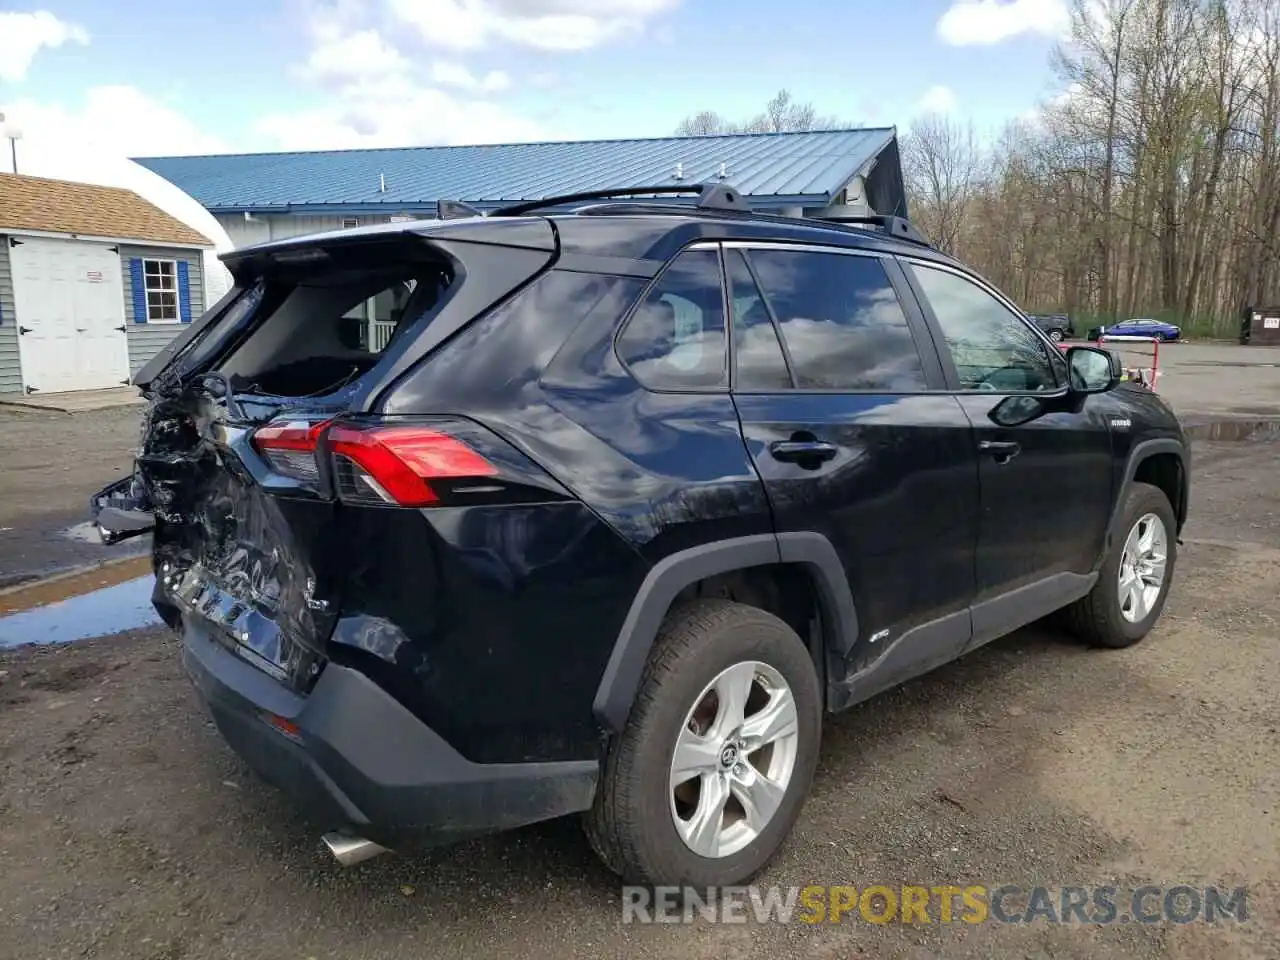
(1150, 185)
(704, 123)
(942, 162)
(1094, 63)
(781, 114)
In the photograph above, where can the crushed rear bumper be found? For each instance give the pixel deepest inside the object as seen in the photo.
(363, 763)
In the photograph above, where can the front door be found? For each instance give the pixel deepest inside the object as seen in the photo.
(835, 389)
(69, 301)
(1044, 459)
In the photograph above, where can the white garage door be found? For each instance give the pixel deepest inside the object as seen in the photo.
(69, 300)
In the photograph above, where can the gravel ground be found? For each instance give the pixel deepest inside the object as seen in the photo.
(127, 829)
(53, 463)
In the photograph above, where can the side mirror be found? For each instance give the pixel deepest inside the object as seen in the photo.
(1091, 370)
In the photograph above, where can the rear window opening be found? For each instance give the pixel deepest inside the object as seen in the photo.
(317, 330)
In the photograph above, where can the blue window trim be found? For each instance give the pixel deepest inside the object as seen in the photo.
(184, 291)
(139, 290)
(182, 280)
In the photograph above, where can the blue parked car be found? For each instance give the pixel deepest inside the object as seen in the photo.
(1138, 328)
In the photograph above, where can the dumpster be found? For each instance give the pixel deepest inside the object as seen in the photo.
(1260, 325)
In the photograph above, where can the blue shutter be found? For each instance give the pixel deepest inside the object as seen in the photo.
(184, 291)
(139, 290)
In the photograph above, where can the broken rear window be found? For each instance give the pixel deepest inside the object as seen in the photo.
(317, 330)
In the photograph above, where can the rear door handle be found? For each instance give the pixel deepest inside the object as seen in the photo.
(1001, 450)
(797, 451)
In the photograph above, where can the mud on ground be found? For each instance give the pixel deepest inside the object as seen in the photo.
(52, 463)
(127, 829)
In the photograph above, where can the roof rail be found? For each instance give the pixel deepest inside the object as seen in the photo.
(715, 196)
(456, 210)
(897, 227)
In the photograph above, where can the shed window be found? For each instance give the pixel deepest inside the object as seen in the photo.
(160, 279)
(349, 223)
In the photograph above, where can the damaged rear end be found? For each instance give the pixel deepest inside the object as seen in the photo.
(263, 428)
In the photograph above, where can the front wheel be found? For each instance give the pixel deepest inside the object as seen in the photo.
(1134, 581)
(715, 763)
(1055, 336)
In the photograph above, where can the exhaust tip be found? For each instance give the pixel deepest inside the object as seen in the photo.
(349, 850)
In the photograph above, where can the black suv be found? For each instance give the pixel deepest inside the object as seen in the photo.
(1057, 325)
(598, 508)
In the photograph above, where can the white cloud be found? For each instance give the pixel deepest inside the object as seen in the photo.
(22, 35)
(450, 74)
(111, 121)
(938, 99)
(377, 96)
(985, 22)
(545, 24)
(396, 112)
(339, 56)
(424, 116)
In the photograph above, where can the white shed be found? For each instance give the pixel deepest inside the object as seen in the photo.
(93, 282)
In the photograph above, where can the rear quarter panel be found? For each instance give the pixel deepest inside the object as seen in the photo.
(495, 625)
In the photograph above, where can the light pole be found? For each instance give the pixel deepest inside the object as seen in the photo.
(12, 133)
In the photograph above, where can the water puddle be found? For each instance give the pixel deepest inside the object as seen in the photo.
(91, 604)
(1237, 430)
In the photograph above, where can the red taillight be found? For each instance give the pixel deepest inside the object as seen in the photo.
(397, 464)
(289, 446)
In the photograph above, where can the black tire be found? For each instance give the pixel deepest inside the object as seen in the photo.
(1097, 619)
(1056, 336)
(631, 826)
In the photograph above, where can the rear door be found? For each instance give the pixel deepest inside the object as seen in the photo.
(1044, 460)
(846, 417)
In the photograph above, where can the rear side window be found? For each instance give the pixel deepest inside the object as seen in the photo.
(676, 339)
(841, 320)
(758, 359)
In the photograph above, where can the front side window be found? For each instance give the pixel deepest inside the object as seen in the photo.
(841, 321)
(676, 338)
(992, 349)
(160, 279)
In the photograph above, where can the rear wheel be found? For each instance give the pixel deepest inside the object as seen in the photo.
(1056, 336)
(1134, 581)
(717, 757)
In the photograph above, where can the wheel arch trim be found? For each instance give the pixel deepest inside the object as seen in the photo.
(621, 678)
(1143, 450)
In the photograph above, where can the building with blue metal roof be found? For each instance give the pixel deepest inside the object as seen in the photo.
(272, 195)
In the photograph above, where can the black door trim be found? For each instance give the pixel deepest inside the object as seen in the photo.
(1016, 608)
(930, 645)
(915, 652)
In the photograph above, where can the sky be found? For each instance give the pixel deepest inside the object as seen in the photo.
(146, 78)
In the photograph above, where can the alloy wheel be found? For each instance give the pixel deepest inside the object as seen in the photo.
(1142, 567)
(733, 759)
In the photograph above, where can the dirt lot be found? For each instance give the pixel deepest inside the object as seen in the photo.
(127, 829)
(53, 462)
(1202, 380)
